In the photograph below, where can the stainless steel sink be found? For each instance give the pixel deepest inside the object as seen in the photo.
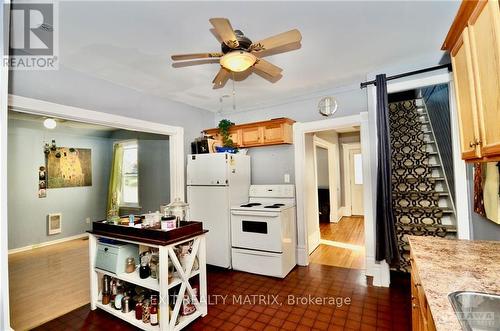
(476, 311)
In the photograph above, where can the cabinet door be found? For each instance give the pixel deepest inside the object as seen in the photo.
(465, 96)
(251, 136)
(273, 133)
(484, 33)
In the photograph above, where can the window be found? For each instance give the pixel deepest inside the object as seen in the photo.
(129, 175)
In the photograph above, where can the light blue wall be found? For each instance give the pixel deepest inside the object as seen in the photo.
(154, 168)
(270, 164)
(27, 214)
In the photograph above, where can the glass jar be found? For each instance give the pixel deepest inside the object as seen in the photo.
(130, 265)
(144, 270)
(138, 311)
(153, 265)
(179, 209)
(146, 314)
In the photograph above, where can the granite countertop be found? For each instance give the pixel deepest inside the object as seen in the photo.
(446, 266)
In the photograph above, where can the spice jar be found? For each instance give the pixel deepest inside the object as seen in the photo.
(138, 311)
(153, 265)
(106, 289)
(144, 270)
(130, 265)
(146, 314)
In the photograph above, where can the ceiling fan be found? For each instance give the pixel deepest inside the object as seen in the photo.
(239, 53)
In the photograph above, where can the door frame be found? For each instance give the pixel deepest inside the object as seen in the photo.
(346, 149)
(459, 166)
(333, 174)
(45, 108)
(300, 129)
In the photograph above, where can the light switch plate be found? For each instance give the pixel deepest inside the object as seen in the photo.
(287, 178)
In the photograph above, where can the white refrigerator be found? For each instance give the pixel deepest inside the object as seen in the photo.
(215, 182)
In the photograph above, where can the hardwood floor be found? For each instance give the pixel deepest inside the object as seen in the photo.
(342, 244)
(48, 282)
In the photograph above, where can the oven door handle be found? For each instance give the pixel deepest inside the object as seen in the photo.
(253, 213)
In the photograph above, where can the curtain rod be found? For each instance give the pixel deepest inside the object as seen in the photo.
(416, 72)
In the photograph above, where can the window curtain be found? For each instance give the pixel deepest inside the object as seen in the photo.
(114, 187)
(386, 241)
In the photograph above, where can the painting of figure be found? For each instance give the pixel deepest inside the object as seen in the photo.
(69, 167)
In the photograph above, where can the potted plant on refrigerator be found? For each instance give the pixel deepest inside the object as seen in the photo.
(228, 145)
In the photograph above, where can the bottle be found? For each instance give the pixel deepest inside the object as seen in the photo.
(106, 290)
(144, 270)
(153, 310)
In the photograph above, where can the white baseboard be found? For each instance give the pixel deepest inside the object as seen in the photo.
(344, 211)
(302, 256)
(47, 243)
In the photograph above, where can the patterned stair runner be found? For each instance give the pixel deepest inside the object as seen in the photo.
(415, 199)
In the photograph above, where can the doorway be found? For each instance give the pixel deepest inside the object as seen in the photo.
(336, 235)
(33, 250)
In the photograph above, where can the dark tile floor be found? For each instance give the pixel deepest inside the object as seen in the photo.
(359, 305)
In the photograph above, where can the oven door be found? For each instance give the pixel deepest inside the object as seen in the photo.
(256, 230)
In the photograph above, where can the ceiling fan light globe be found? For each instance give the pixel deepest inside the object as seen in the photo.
(238, 61)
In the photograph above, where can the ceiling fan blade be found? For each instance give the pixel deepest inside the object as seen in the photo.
(194, 63)
(267, 77)
(277, 50)
(279, 40)
(267, 68)
(221, 78)
(225, 31)
(181, 57)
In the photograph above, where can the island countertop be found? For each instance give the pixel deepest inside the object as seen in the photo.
(445, 266)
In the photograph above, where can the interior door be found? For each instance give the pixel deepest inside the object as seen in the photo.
(356, 181)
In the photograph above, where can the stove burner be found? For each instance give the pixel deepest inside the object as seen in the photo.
(279, 204)
(272, 206)
(252, 204)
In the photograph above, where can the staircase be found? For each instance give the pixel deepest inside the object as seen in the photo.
(422, 203)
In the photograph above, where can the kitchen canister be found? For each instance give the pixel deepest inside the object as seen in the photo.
(126, 302)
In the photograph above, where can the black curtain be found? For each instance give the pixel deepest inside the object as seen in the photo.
(386, 241)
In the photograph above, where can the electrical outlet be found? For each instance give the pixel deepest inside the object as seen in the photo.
(287, 178)
(87, 220)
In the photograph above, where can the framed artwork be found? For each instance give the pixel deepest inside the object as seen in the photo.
(69, 167)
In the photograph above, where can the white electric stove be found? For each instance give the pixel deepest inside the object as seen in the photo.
(263, 231)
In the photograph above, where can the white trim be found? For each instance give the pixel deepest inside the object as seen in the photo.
(299, 131)
(47, 243)
(346, 150)
(462, 210)
(333, 174)
(438, 77)
(4, 261)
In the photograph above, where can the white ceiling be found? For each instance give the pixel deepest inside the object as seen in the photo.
(130, 43)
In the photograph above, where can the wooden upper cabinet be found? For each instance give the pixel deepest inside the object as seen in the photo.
(251, 136)
(484, 33)
(466, 97)
(273, 132)
(474, 45)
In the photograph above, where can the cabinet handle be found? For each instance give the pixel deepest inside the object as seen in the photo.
(413, 297)
(414, 305)
(417, 284)
(475, 143)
